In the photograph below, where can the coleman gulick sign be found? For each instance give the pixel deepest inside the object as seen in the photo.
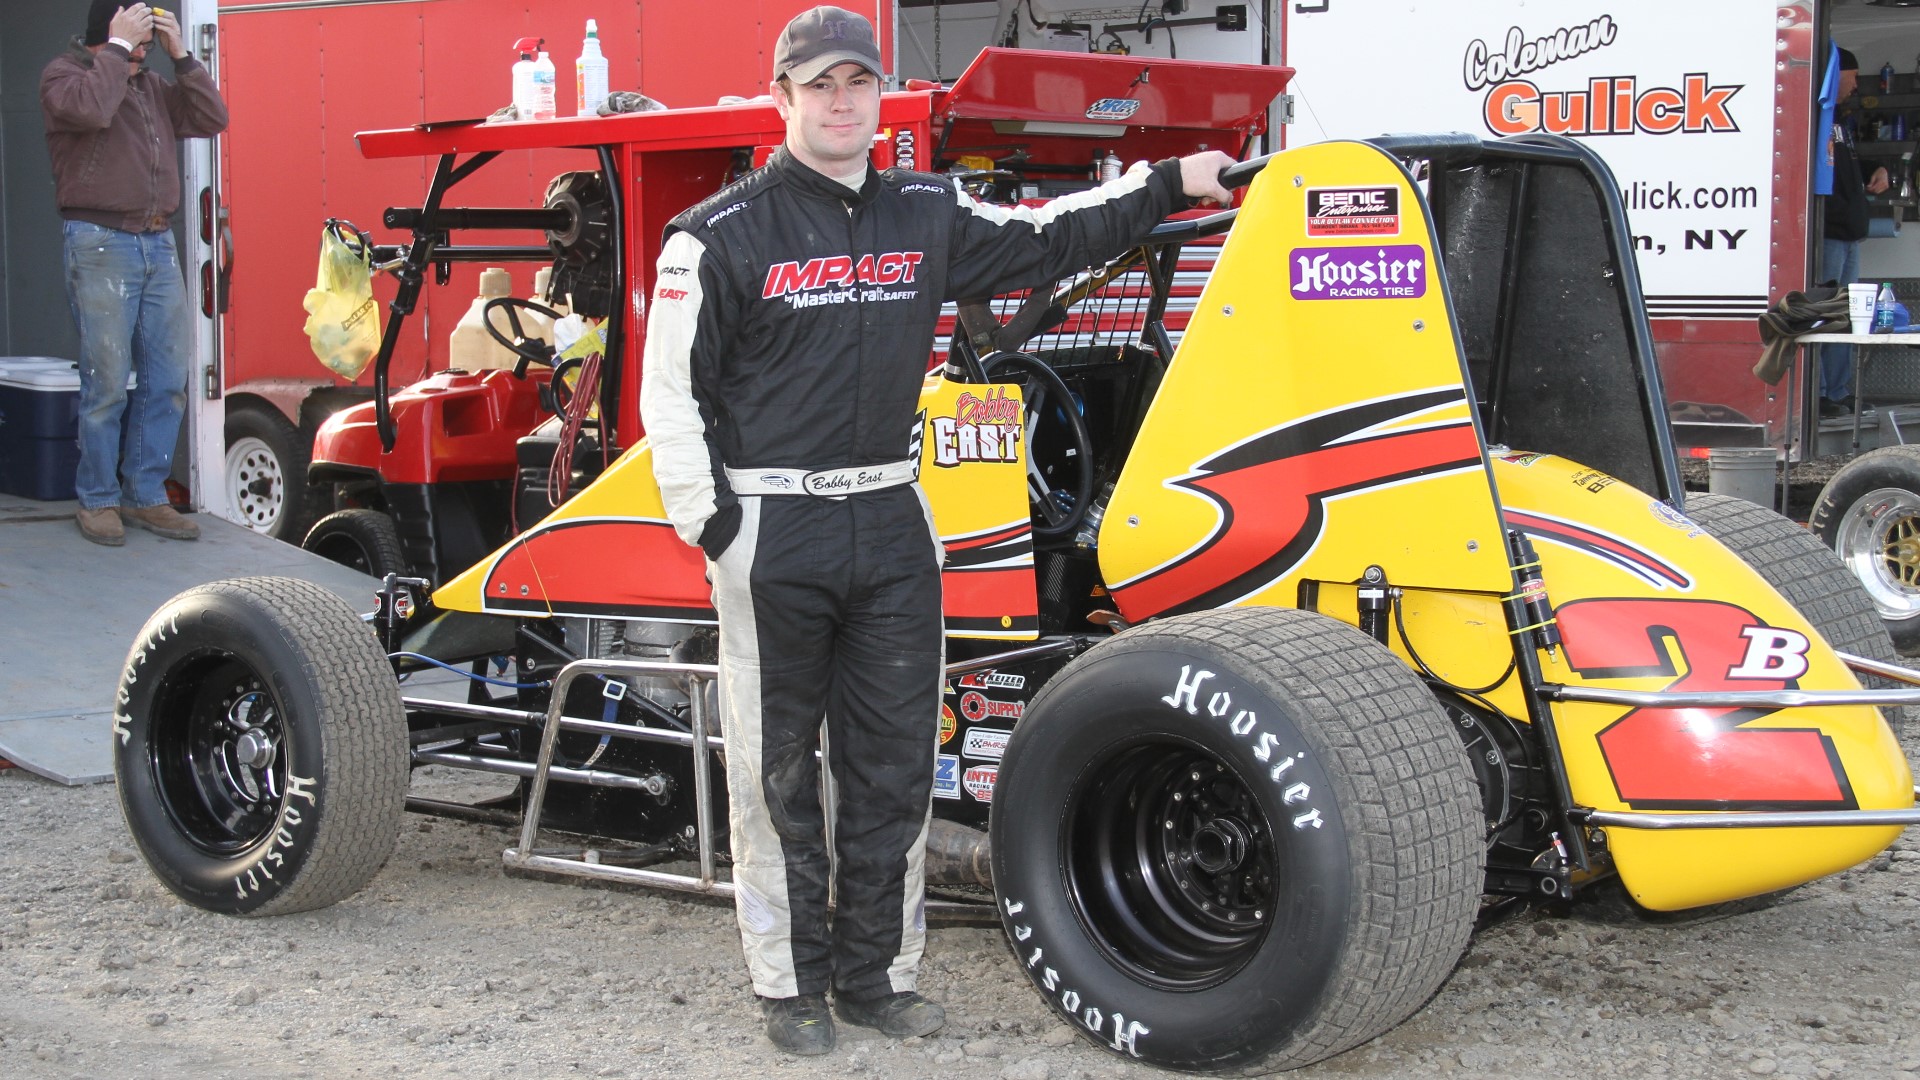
(1609, 105)
(1677, 98)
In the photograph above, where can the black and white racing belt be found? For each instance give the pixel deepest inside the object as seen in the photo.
(826, 483)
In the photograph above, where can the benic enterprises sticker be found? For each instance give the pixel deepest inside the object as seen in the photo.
(1113, 108)
(979, 781)
(1389, 272)
(946, 776)
(1355, 211)
(984, 742)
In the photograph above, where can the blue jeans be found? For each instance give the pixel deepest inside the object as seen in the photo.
(1840, 264)
(130, 305)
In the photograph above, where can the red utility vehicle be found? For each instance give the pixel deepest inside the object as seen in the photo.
(462, 460)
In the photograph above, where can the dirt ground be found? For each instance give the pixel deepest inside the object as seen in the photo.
(447, 967)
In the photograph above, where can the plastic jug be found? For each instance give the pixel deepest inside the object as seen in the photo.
(590, 74)
(473, 349)
(533, 323)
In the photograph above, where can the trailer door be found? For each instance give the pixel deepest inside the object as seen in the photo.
(203, 257)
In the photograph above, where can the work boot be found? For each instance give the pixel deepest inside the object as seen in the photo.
(799, 1025)
(902, 1015)
(102, 526)
(163, 520)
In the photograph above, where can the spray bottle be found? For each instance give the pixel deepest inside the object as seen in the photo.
(523, 91)
(543, 96)
(590, 74)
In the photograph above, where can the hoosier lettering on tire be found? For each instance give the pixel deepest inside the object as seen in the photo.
(1236, 841)
(260, 747)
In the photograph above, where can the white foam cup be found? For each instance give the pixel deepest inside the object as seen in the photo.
(1860, 305)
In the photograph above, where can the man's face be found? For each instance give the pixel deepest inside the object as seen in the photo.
(831, 120)
(1849, 82)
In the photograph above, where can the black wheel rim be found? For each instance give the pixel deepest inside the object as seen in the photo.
(346, 551)
(218, 754)
(1171, 863)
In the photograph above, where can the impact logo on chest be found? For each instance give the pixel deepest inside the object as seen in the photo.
(837, 279)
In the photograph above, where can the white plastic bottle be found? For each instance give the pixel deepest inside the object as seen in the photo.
(523, 81)
(543, 87)
(590, 74)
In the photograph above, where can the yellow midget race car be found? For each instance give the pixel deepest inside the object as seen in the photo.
(1279, 653)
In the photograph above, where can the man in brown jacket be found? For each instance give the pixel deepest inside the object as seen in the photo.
(111, 131)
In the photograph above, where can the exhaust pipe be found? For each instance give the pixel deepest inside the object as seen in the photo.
(957, 855)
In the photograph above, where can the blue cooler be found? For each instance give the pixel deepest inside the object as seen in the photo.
(39, 421)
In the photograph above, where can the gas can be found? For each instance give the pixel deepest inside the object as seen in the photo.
(471, 348)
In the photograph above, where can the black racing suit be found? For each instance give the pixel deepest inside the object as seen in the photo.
(791, 327)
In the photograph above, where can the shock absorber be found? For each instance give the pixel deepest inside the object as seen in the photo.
(1531, 590)
(1372, 600)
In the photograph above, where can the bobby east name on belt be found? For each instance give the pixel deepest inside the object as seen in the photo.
(826, 483)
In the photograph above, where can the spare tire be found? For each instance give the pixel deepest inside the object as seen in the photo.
(1869, 514)
(260, 747)
(1238, 840)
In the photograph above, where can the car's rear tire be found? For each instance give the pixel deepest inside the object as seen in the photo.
(1236, 841)
(365, 540)
(260, 747)
(1808, 574)
(1869, 514)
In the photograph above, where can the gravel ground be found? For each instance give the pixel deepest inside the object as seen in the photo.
(447, 967)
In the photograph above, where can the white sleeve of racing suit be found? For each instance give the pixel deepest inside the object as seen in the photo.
(678, 423)
(997, 248)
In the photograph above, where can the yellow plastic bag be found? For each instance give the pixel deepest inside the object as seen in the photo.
(343, 321)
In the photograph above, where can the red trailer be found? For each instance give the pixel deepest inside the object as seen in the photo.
(301, 80)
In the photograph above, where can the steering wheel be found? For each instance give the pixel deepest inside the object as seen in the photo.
(990, 185)
(1058, 508)
(529, 350)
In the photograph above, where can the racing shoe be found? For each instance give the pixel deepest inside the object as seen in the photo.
(902, 1015)
(163, 520)
(799, 1025)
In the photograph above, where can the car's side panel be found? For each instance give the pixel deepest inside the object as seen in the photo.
(609, 552)
(1646, 601)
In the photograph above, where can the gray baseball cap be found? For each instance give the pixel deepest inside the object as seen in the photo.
(821, 38)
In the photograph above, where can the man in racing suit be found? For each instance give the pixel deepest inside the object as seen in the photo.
(789, 333)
